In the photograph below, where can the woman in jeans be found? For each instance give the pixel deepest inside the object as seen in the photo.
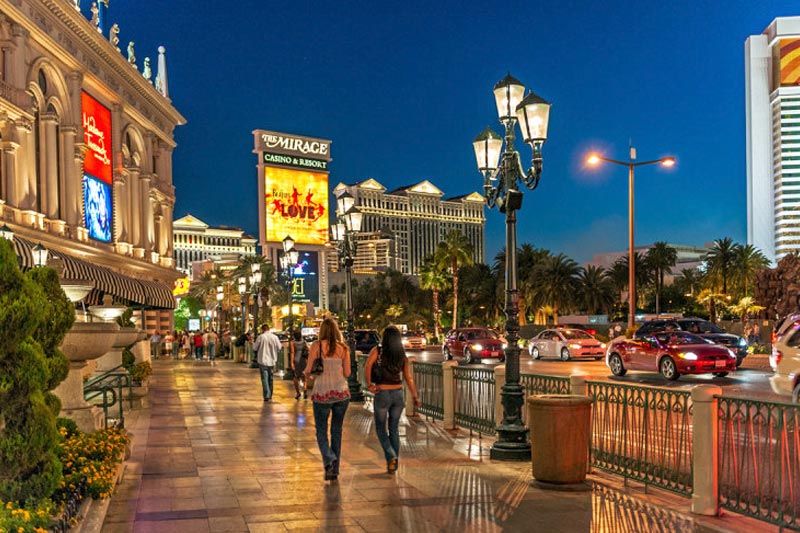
(385, 364)
(331, 394)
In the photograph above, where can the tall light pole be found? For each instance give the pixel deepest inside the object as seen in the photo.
(595, 159)
(500, 189)
(220, 296)
(290, 255)
(255, 283)
(343, 232)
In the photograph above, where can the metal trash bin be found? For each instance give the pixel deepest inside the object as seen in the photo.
(560, 427)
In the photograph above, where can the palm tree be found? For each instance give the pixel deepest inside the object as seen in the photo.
(434, 279)
(454, 250)
(555, 283)
(595, 290)
(748, 260)
(689, 281)
(643, 275)
(661, 258)
(712, 300)
(720, 261)
(745, 307)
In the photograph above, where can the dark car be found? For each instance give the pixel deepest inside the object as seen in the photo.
(700, 327)
(366, 339)
(585, 327)
(474, 344)
(671, 353)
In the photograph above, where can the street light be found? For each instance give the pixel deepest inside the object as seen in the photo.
(220, 297)
(343, 232)
(596, 159)
(6, 233)
(501, 172)
(290, 257)
(40, 254)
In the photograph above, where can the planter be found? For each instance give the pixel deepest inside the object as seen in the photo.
(111, 360)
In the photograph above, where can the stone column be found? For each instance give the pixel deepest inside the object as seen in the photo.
(705, 446)
(449, 396)
(121, 199)
(73, 149)
(49, 193)
(147, 214)
(135, 203)
(26, 166)
(15, 69)
(499, 381)
(10, 173)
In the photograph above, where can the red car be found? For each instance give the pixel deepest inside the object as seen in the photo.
(672, 353)
(474, 344)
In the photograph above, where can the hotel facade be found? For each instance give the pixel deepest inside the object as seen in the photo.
(197, 242)
(772, 91)
(86, 141)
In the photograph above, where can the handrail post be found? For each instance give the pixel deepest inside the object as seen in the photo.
(449, 396)
(705, 446)
(410, 410)
(499, 381)
(578, 384)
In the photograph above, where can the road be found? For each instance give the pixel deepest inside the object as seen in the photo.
(750, 381)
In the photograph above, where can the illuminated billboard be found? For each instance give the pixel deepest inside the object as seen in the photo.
(306, 278)
(296, 204)
(97, 137)
(97, 208)
(790, 62)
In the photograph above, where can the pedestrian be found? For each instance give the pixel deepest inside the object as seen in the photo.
(267, 348)
(197, 342)
(226, 344)
(155, 344)
(755, 334)
(176, 344)
(211, 345)
(169, 339)
(385, 369)
(186, 342)
(330, 393)
(298, 350)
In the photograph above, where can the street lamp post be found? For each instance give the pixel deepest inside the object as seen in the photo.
(500, 178)
(348, 224)
(595, 159)
(290, 257)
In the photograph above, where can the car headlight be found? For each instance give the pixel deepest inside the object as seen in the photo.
(575, 346)
(478, 347)
(603, 345)
(505, 345)
(742, 342)
(405, 342)
(423, 342)
(689, 356)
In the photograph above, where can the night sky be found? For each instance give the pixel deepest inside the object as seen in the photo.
(402, 89)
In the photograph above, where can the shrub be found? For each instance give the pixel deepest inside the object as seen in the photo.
(35, 518)
(93, 457)
(141, 371)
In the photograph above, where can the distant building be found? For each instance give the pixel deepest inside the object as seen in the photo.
(689, 258)
(197, 242)
(772, 94)
(402, 227)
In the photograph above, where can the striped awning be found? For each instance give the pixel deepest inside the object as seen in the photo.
(125, 290)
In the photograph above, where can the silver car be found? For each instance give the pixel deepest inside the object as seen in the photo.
(566, 343)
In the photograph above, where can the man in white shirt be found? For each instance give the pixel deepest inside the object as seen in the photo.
(267, 348)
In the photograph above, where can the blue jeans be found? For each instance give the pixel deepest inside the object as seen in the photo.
(266, 381)
(389, 404)
(212, 348)
(330, 451)
(198, 352)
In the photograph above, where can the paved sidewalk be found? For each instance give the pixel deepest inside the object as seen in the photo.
(210, 455)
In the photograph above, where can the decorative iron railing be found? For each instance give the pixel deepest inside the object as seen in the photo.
(541, 384)
(474, 399)
(429, 379)
(759, 460)
(71, 502)
(109, 389)
(643, 433)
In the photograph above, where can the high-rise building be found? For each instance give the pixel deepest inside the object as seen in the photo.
(196, 241)
(772, 91)
(400, 228)
(86, 164)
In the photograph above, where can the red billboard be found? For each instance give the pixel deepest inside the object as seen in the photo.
(97, 136)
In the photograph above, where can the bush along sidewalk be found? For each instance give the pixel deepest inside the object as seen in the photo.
(90, 464)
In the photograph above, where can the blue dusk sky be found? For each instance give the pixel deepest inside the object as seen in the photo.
(403, 88)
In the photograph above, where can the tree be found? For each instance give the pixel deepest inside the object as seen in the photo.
(434, 279)
(554, 283)
(720, 262)
(660, 258)
(595, 290)
(643, 275)
(747, 261)
(689, 281)
(744, 308)
(453, 251)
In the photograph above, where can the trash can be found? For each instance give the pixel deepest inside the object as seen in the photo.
(560, 427)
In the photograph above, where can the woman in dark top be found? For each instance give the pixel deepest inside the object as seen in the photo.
(386, 367)
(299, 352)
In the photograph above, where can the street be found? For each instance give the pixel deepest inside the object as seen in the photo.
(749, 381)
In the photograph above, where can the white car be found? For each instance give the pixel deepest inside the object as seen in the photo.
(785, 360)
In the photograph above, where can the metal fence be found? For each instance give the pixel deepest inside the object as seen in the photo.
(759, 460)
(429, 379)
(107, 391)
(541, 384)
(643, 433)
(474, 395)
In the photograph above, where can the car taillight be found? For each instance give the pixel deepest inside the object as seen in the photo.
(591, 331)
(774, 337)
(778, 357)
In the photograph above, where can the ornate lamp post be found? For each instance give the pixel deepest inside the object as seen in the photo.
(348, 224)
(595, 159)
(290, 256)
(500, 188)
(255, 283)
(40, 254)
(220, 297)
(6, 233)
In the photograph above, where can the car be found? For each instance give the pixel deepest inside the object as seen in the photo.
(566, 343)
(366, 339)
(785, 359)
(672, 353)
(474, 344)
(585, 327)
(778, 332)
(698, 326)
(413, 340)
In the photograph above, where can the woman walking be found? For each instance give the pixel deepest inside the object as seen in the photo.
(299, 359)
(331, 394)
(383, 371)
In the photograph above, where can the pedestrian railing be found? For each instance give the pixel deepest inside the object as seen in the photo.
(541, 384)
(107, 391)
(759, 460)
(643, 433)
(474, 397)
(429, 380)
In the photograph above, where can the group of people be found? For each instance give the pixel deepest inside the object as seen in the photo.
(205, 344)
(386, 368)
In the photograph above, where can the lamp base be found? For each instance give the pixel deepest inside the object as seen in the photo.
(512, 443)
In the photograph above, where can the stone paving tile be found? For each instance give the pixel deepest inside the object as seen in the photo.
(209, 455)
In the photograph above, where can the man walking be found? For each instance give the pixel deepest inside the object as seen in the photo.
(267, 348)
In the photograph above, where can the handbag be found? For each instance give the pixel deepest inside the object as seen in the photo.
(316, 367)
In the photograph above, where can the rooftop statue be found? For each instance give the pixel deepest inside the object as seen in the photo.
(77, 4)
(146, 72)
(113, 36)
(131, 56)
(95, 16)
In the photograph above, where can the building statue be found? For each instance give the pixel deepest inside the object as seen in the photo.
(77, 5)
(113, 36)
(146, 72)
(95, 16)
(131, 56)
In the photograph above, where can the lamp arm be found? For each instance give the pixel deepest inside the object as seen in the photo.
(492, 191)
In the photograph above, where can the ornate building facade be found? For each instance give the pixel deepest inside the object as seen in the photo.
(86, 143)
(402, 227)
(196, 241)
